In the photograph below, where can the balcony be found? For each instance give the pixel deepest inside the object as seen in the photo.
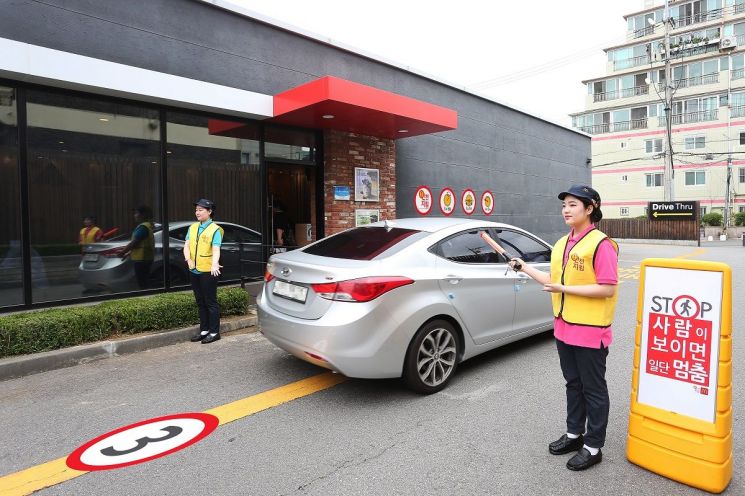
(640, 33)
(712, 78)
(739, 8)
(615, 127)
(737, 74)
(738, 111)
(632, 62)
(740, 37)
(698, 18)
(625, 93)
(691, 117)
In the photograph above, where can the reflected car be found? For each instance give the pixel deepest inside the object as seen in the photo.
(409, 298)
(101, 268)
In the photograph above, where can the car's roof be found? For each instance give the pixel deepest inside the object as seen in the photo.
(433, 224)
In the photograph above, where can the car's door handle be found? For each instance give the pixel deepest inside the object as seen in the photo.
(452, 279)
(230, 249)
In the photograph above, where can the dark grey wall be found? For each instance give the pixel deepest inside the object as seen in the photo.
(525, 161)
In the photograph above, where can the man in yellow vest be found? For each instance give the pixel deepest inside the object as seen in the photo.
(582, 283)
(90, 233)
(141, 248)
(202, 255)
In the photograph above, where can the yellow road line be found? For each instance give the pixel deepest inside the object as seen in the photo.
(56, 471)
(692, 254)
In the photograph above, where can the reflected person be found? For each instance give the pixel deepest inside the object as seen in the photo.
(141, 248)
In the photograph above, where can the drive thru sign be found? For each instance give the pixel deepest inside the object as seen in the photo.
(680, 424)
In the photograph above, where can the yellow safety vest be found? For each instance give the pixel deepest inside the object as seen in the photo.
(144, 250)
(200, 245)
(580, 270)
(90, 236)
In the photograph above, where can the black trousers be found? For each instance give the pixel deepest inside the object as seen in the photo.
(142, 272)
(587, 392)
(205, 292)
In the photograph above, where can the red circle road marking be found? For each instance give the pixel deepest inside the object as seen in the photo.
(210, 423)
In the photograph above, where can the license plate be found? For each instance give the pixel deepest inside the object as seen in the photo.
(291, 291)
(90, 257)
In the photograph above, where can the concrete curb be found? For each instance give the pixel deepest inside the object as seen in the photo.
(67, 357)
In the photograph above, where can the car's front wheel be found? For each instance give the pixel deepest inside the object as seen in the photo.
(432, 357)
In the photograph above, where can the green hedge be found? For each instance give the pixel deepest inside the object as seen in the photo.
(46, 330)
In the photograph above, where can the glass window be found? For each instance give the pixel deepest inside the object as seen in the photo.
(527, 248)
(653, 146)
(468, 247)
(289, 144)
(94, 173)
(695, 142)
(363, 243)
(742, 175)
(11, 288)
(218, 160)
(742, 138)
(695, 178)
(653, 180)
(724, 64)
(711, 66)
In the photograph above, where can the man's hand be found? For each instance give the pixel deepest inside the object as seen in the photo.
(215, 271)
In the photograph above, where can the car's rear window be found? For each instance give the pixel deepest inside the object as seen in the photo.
(362, 243)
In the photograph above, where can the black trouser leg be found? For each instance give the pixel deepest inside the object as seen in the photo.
(196, 286)
(209, 292)
(587, 391)
(142, 272)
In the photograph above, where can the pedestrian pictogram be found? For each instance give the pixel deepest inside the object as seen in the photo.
(143, 441)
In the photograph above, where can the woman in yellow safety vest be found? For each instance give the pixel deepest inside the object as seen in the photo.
(141, 248)
(582, 283)
(90, 233)
(202, 255)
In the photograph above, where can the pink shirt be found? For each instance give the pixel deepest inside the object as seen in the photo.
(606, 272)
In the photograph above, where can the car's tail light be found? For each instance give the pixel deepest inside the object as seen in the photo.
(359, 290)
(111, 253)
(268, 276)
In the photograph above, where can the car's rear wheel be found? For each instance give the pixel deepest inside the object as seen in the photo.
(432, 357)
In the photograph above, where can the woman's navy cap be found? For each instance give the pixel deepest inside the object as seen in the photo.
(579, 191)
(208, 204)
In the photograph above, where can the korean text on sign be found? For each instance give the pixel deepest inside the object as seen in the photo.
(679, 348)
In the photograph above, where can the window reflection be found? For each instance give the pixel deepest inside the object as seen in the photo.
(93, 173)
(11, 267)
(219, 160)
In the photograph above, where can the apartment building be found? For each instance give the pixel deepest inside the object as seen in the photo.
(625, 111)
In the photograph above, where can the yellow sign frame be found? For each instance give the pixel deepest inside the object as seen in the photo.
(682, 448)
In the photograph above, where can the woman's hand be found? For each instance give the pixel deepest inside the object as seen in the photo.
(215, 271)
(553, 287)
(516, 262)
(190, 263)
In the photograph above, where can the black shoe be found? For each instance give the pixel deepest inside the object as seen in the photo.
(565, 445)
(584, 460)
(210, 338)
(198, 337)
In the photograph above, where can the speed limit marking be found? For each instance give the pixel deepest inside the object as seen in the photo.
(143, 441)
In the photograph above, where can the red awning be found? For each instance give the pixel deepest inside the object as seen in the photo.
(334, 103)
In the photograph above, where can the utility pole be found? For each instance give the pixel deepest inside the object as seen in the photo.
(727, 193)
(668, 173)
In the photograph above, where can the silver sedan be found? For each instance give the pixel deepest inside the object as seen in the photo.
(408, 298)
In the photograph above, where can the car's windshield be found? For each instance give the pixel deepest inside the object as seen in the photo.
(362, 243)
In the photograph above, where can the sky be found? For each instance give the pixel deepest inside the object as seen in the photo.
(530, 55)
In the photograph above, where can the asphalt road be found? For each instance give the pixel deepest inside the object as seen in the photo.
(487, 433)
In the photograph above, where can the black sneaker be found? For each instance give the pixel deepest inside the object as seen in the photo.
(584, 460)
(199, 336)
(565, 445)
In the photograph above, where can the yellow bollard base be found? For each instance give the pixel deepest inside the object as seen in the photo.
(694, 472)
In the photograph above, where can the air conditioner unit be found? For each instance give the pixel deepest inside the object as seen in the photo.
(728, 42)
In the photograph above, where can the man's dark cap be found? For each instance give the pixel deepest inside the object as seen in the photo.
(208, 204)
(580, 191)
